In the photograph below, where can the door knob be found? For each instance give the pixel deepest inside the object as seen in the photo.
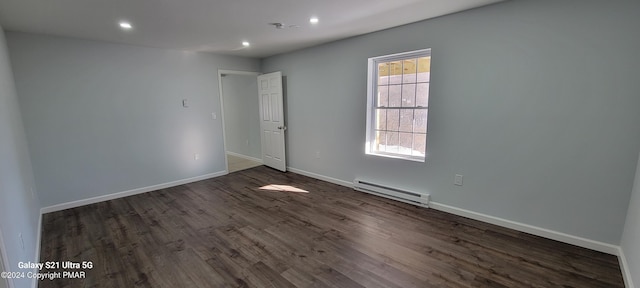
(282, 127)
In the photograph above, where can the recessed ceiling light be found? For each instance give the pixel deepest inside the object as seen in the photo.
(125, 25)
(314, 20)
(245, 44)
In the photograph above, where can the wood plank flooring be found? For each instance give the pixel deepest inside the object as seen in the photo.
(257, 228)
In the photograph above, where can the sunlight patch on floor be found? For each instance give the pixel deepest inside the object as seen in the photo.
(283, 188)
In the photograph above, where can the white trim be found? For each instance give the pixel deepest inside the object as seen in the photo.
(38, 242)
(372, 91)
(321, 177)
(403, 55)
(117, 195)
(244, 157)
(220, 91)
(624, 267)
(542, 232)
(238, 72)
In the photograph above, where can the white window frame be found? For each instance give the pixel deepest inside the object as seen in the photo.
(372, 89)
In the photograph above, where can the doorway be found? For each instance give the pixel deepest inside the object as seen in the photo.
(241, 119)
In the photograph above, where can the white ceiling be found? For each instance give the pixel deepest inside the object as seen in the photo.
(220, 26)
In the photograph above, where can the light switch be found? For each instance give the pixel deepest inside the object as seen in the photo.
(457, 180)
(185, 103)
(214, 116)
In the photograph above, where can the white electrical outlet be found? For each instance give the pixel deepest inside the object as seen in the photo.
(458, 180)
(317, 154)
(196, 156)
(214, 116)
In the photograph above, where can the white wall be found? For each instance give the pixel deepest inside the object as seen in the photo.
(534, 102)
(242, 114)
(104, 118)
(631, 236)
(19, 208)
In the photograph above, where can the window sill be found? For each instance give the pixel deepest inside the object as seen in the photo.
(398, 156)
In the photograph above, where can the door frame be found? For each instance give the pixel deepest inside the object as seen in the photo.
(224, 133)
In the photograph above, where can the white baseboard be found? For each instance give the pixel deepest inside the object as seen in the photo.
(244, 157)
(624, 267)
(34, 283)
(117, 195)
(321, 177)
(542, 232)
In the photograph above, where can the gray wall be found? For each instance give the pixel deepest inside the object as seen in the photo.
(19, 208)
(631, 235)
(534, 102)
(242, 114)
(104, 118)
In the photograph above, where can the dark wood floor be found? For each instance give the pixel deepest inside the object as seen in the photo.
(228, 232)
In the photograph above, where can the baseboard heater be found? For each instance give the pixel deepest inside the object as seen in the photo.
(391, 193)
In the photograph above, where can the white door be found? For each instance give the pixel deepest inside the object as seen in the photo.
(272, 125)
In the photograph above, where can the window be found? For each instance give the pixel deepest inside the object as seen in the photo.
(397, 105)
